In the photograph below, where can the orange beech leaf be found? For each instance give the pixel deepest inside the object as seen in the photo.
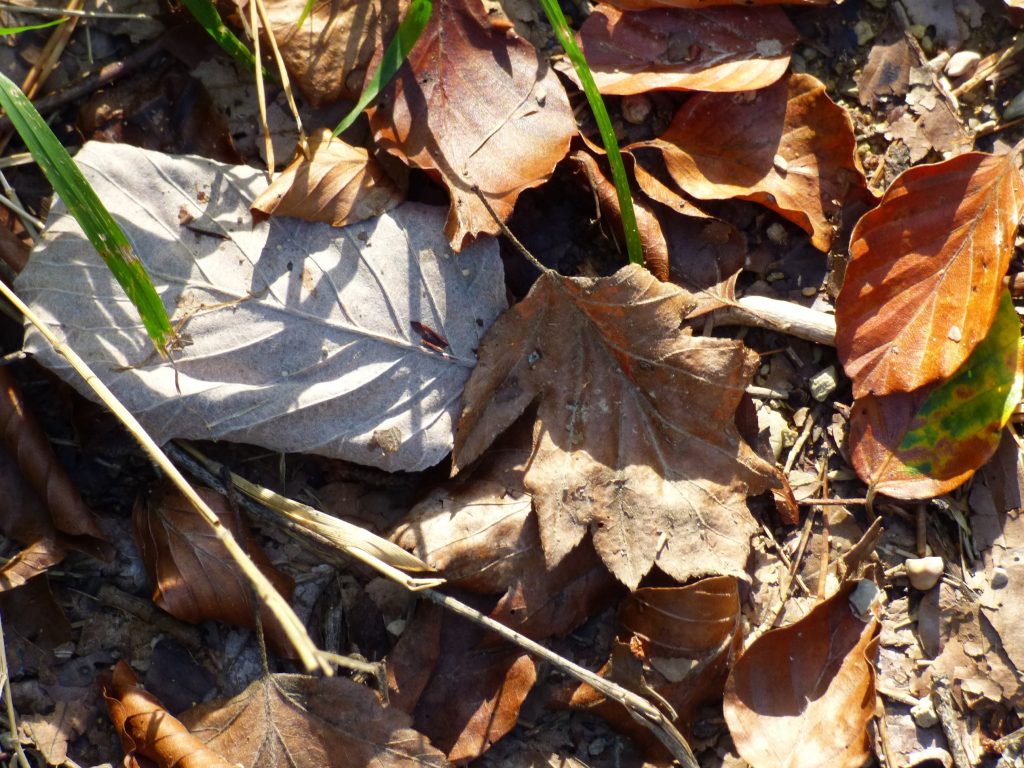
(634, 441)
(339, 184)
(926, 270)
(194, 578)
(676, 641)
(710, 49)
(27, 443)
(463, 694)
(788, 147)
(802, 696)
(328, 56)
(32, 561)
(147, 730)
(477, 105)
(296, 721)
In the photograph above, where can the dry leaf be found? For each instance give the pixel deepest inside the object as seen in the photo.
(193, 576)
(638, 5)
(706, 49)
(802, 696)
(634, 440)
(304, 338)
(475, 105)
(926, 270)
(328, 56)
(295, 721)
(148, 730)
(676, 641)
(31, 561)
(788, 147)
(339, 184)
(463, 695)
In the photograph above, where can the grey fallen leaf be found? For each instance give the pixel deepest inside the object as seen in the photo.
(301, 337)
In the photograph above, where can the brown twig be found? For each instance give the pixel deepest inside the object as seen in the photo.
(948, 717)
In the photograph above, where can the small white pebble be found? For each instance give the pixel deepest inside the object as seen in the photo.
(924, 713)
(777, 233)
(924, 572)
(823, 383)
(636, 108)
(962, 63)
(955, 334)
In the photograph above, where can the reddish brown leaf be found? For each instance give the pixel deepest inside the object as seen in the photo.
(706, 49)
(295, 721)
(147, 730)
(474, 693)
(677, 641)
(194, 578)
(327, 57)
(475, 105)
(27, 442)
(802, 696)
(636, 5)
(634, 439)
(339, 184)
(34, 626)
(788, 147)
(926, 270)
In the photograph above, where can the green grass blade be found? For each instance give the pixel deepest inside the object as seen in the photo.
(30, 27)
(405, 38)
(97, 223)
(306, 10)
(634, 248)
(209, 19)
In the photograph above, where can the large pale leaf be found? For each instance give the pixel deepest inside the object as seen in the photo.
(712, 49)
(476, 105)
(788, 147)
(926, 271)
(303, 337)
(922, 444)
(634, 439)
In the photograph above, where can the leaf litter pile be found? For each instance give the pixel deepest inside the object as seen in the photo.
(757, 500)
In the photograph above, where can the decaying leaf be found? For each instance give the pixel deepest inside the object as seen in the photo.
(295, 721)
(328, 56)
(339, 184)
(298, 336)
(464, 695)
(921, 444)
(147, 730)
(788, 147)
(644, 4)
(31, 561)
(802, 696)
(193, 576)
(475, 105)
(705, 49)
(925, 272)
(676, 641)
(634, 439)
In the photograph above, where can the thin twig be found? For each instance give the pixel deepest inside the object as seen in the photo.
(5, 679)
(508, 232)
(44, 10)
(261, 94)
(286, 83)
(949, 719)
(798, 445)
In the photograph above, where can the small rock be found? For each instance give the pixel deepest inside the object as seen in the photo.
(962, 63)
(808, 291)
(930, 757)
(1000, 578)
(924, 713)
(635, 108)
(1015, 108)
(823, 383)
(924, 572)
(777, 233)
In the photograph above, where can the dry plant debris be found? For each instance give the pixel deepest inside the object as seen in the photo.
(732, 526)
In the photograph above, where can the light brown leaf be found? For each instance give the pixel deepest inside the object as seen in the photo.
(636, 5)
(802, 696)
(327, 57)
(677, 641)
(295, 721)
(194, 578)
(787, 147)
(634, 439)
(148, 730)
(925, 274)
(32, 561)
(706, 49)
(339, 184)
(475, 105)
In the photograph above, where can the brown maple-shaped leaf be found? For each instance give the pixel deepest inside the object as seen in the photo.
(328, 55)
(634, 439)
(925, 274)
(788, 147)
(339, 184)
(802, 696)
(149, 731)
(676, 641)
(710, 49)
(295, 721)
(475, 105)
(193, 575)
